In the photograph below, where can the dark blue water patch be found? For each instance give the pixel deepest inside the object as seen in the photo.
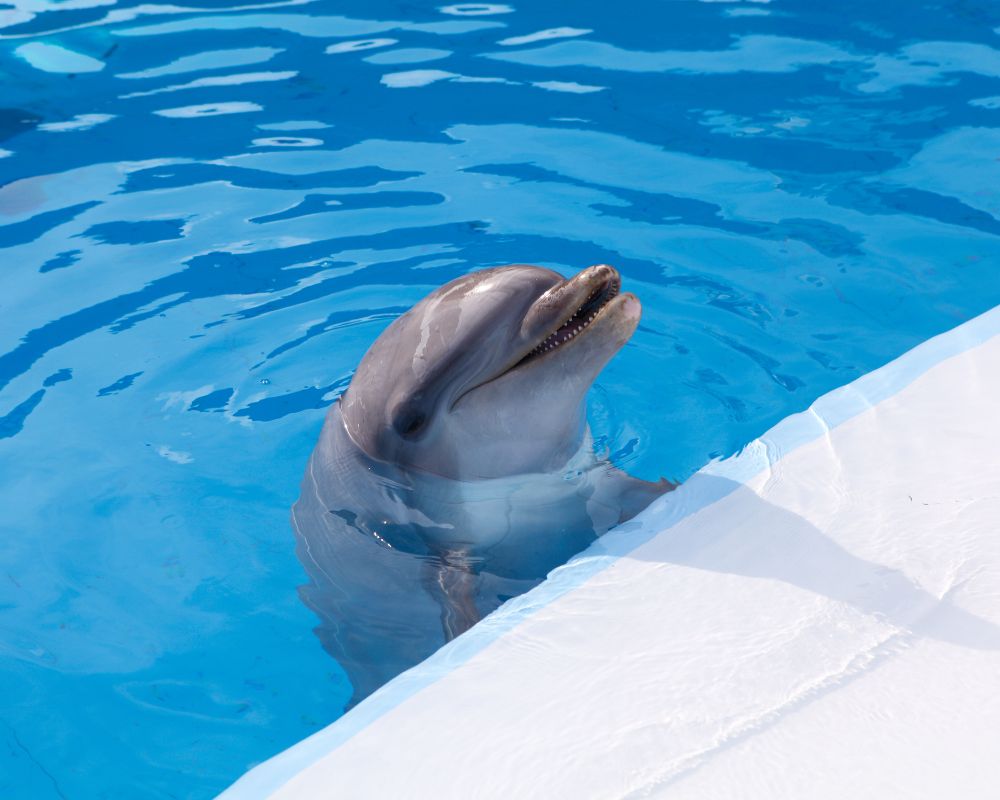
(720, 295)
(650, 331)
(65, 17)
(882, 199)
(829, 362)
(213, 401)
(13, 421)
(770, 365)
(733, 407)
(67, 258)
(622, 453)
(486, 251)
(177, 175)
(64, 374)
(781, 153)
(136, 231)
(327, 203)
(122, 383)
(707, 375)
(888, 24)
(827, 238)
(210, 275)
(16, 120)
(659, 208)
(524, 171)
(312, 397)
(31, 229)
(663, 208)
(458, 235)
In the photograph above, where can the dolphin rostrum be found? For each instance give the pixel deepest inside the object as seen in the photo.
(457, 468)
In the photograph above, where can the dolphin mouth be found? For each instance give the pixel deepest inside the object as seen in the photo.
(560, 316)
(576, 318)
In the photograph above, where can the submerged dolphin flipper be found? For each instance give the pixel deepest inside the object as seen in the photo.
(453, 582)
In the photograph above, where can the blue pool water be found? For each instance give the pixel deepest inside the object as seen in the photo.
(207, 213)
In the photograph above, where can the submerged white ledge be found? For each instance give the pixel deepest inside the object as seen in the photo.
(816, 617)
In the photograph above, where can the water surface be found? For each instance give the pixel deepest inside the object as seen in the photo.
(207, 214)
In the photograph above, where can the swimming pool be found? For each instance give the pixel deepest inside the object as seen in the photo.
(209, 213)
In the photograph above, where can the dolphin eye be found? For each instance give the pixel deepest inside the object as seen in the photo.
(409, 422)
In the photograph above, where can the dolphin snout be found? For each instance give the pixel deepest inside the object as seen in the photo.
(560, 302)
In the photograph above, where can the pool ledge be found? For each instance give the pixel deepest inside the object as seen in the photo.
(818, 616)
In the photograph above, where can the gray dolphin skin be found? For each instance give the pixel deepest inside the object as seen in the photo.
(457, 469)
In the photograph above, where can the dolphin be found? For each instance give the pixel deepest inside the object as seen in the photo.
(457, 468)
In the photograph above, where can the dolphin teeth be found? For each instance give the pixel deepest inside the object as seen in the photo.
(579, 320)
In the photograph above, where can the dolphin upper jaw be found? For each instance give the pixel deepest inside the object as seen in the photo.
(556, 305)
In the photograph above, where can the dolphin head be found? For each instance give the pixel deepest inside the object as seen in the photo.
(486, 377)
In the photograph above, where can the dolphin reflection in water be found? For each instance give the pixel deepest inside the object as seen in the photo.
(457, 469)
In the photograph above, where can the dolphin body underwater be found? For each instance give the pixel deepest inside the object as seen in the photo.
(457, 468)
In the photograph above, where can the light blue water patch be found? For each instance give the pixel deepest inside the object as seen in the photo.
(931, 63)
(213, 59)
(359, 44)
(209, 110)
(295, 125)
(476, 9)
(53, 58)
(303, 25)
(412, 55)
(80, 122)
(961, 164)
(986, 102)
(541, 36)
(568, 86)
(749, 53)
(237, 79)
